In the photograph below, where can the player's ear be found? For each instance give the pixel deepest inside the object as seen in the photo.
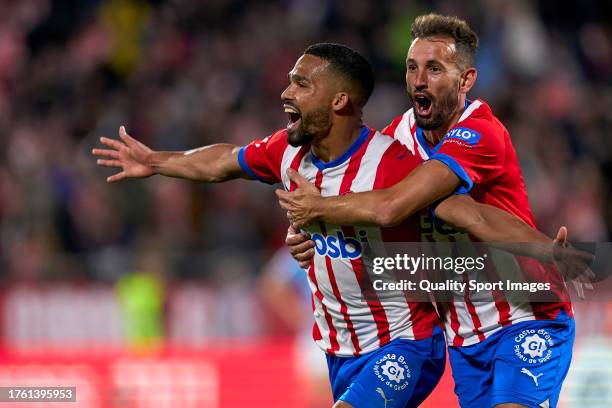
(468, 79)
(340, 101)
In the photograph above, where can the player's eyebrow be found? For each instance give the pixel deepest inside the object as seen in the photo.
(297, 77)
(427, 63)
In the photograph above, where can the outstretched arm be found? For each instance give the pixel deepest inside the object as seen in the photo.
(426, 184)
(214, 163)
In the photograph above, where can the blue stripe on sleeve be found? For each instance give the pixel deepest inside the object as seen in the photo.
(466, 181)
(245, 167)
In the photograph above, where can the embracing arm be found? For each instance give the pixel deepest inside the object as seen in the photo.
(495, 227)
(426, 184)
(499, 229)
(214, 163)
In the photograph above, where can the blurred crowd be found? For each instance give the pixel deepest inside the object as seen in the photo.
(185, 73)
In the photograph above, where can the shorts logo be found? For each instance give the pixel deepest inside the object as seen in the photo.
(533, 377)
(392, 370)
(382, 394)
(533, 346)
(464, 135)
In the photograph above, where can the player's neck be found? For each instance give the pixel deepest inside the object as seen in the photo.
(340, 138)
(434, 136)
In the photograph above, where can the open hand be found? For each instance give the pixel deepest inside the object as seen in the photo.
(128, 154)
(572, 263)
(301, 204)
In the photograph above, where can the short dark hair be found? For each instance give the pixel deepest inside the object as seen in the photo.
(436, 25)
(348, 63)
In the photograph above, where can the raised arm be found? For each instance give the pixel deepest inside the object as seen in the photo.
(426, 184)
(214, 163)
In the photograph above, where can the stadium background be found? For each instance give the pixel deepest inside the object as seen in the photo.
(153, 293)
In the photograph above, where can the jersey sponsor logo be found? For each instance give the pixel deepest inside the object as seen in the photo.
(462, 134)
(393, 371)
(533, 346)
(338, 246)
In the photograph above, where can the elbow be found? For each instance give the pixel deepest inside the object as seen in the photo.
(210, 174)
(212, 178)
(395, 211)
(464, 218)
(389, 216)
(475, 228)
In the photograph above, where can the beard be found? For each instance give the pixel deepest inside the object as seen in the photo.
(312, 125)
(443, 108)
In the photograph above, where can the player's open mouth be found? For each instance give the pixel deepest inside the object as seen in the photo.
(422, 105)
(295, 117)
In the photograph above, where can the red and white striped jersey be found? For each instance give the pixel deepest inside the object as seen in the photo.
(350, 318)
(479, 151)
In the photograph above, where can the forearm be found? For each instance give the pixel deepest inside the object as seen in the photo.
(213, 164)
(360, 208)
(511, 234)
(387, 207)
(496, 227)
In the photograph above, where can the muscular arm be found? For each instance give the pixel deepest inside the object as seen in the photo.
(501, 230)
(428, 183)
(496, 227)
(214, 163)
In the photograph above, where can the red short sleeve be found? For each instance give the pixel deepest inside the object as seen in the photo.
(474, 150)
(261, 159)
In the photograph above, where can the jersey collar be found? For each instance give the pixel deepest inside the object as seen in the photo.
(363, 136)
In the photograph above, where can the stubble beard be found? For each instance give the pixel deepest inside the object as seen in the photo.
(313, 126)
(443, 108)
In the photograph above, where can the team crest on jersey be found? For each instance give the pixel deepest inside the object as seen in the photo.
(393, 371)
(463, 135)
(533, 346)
